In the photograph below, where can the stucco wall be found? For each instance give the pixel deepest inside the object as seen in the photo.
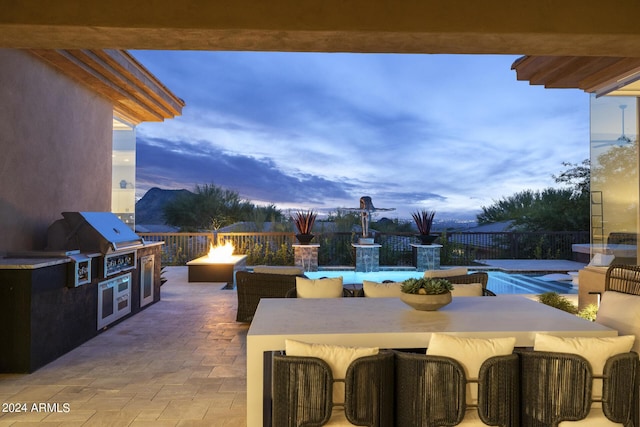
(55, 150)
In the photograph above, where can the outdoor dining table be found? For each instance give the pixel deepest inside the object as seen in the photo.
(391, 324)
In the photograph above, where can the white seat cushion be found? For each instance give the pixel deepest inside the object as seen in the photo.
(319, 288)
(621, 312)
(471, 353)
(278, 269)
(601, 260)
(596, 418)
(381, 290)
(338, 418)
(448, 272)
(467, 290)
(471, 419)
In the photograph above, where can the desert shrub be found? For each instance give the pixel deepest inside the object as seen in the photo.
(556, 300)
(589, 312)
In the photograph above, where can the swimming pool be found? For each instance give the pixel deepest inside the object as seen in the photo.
(499, 282)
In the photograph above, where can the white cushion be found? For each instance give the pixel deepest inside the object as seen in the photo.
(595, 349)
(449, 272)
(337, 357)
(471, 353)
(596, 418)
(278, 269)
(601, 260)
(467, 290)
(319, 288)
(621, 312)
(338, 418)
(471, 419)
(381, 290)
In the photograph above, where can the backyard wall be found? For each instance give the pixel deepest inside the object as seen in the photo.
(55, 149)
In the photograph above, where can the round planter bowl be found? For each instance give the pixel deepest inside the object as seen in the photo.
(427, 239)
(426, 302)
(305, 239)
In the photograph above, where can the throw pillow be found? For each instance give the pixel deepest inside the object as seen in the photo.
(381, 290)
(319, 288)
(467, 290)
(621, 312)
(269, 269)
(471, 353)
(449, 272)
(337, 357)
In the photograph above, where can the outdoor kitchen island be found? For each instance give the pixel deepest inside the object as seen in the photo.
(55, 300)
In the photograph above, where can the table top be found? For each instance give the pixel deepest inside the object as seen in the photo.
(343, 320)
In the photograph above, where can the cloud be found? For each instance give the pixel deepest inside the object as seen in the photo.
(169, 165)
(446, 132)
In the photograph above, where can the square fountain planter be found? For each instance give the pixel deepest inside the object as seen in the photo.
(204, 270)
(367, 257)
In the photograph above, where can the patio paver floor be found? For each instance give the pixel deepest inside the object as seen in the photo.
(180, 362)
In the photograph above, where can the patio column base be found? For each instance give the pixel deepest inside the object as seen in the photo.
(367, 257)
(426, 257)
(306, 256)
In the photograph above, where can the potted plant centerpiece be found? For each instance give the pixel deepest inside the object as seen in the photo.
(426, 294)
(424, 221)
(304, 221)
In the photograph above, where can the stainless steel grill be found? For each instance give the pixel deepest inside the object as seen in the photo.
(97, 233)
(101, 232)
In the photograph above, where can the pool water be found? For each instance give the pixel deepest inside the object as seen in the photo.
(499, 282)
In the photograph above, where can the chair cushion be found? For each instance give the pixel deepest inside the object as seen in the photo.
(449, 272)
(467, 290)
(337, 357)
(596, 418)
(277, 269)
(471, 419)
(381, 290)
(595, 349)
(601, 260)
(621, 312)
(471, 353)
(319, 288)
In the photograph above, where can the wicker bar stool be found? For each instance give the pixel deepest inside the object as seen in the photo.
(558, 387)
(431, 391)
(303, 391)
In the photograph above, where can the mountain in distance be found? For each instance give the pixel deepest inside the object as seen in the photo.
(150, 208)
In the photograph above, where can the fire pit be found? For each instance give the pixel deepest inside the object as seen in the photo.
(218, 265)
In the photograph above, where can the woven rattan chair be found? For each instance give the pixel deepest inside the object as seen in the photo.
(251, 287)
(557, 387)
(623, 278)
(431, 391)
(303, 391)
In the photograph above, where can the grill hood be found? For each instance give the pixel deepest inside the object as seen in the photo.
(91, 232)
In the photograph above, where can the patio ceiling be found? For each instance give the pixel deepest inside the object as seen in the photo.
(600, 75)
(517, 27)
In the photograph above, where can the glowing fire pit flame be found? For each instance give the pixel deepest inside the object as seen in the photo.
(220, 253)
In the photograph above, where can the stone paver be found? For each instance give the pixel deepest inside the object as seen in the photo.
(180, 362)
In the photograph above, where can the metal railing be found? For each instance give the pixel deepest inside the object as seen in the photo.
(459, 248)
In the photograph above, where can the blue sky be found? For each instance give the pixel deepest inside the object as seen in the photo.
(449, 133)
